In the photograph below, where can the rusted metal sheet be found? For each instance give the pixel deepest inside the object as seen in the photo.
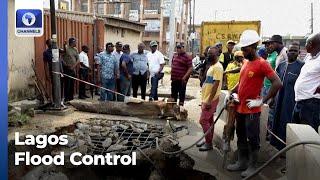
(66, 28)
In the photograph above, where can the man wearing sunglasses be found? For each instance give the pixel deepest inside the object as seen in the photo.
(252, 74)
(180, 72)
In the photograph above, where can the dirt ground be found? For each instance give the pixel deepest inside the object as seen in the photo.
(209, 162)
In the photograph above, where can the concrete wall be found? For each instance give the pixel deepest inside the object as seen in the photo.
(303, 161)
(126, 36)
(20, 55)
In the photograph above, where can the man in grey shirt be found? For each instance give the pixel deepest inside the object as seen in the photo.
(140, 73)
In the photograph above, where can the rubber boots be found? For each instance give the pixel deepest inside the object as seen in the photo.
(241, 163)
(252, 164)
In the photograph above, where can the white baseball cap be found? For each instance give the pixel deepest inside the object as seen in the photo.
(248, 37)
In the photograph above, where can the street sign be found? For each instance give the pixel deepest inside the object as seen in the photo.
(29, 18)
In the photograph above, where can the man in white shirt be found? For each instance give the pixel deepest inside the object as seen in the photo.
(156, 63)
(307, 86)
(83, 71)
(118, 53)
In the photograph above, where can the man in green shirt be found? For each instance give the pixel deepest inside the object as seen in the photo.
(70, 63)
(272, 57)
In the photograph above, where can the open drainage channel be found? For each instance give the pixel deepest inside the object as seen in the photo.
(102, 136)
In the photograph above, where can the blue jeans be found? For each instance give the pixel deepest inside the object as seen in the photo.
(108, 84)
(154, 88)
(124, 87)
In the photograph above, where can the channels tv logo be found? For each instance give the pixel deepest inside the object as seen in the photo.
(29, 22)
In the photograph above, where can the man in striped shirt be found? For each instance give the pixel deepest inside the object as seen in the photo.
(180, 73)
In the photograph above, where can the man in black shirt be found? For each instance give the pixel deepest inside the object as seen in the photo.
(47, 62)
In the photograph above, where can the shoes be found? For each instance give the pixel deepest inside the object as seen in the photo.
(86, 96)
(151, 99)
(241, 163)
(206, 147)
(201, 143)
(252, 164)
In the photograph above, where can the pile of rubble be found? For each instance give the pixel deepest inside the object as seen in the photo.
(100, 136)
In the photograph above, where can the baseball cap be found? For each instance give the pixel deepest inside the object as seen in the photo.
(231, 42)
(153, 43)
(218, 44)
(72, 40)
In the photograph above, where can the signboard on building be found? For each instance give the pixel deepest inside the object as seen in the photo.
(152, 25)
(134, 15)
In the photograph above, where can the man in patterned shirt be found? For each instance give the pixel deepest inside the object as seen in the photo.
(109, 72)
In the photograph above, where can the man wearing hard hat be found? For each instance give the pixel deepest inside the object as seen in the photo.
(252, 74)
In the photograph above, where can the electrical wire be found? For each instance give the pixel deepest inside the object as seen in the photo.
(279, 153)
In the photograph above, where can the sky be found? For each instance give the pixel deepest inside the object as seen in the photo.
(284, 17)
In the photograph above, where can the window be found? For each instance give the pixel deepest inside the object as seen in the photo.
(84, 6)
(135, 5)
(117, 8)
(153, 5)
(100, 8)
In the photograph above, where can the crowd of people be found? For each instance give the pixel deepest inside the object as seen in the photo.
(116, 69)
(255, 75)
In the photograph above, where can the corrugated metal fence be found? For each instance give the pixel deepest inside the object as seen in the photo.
(77, 26)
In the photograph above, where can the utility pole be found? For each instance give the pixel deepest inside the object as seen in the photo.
(161, 27)
(311, 26)
(190, 15)
(55, 61)
(193, 28)
(172, 26)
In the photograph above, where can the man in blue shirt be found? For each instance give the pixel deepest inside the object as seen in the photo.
(140, 73)
(109, 72)
(126, 71)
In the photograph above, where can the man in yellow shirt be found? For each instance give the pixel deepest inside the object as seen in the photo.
(211, 90)
(233, 70)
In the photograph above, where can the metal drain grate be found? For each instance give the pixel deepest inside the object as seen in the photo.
(127, 141)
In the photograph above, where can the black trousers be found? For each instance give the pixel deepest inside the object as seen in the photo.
(248, 131)
(307, 112)
(178, 89)
(69, 84)
(139, 80)
(83, 74)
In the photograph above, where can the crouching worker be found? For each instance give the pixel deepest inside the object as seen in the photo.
(252, 74)
(211, 90)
